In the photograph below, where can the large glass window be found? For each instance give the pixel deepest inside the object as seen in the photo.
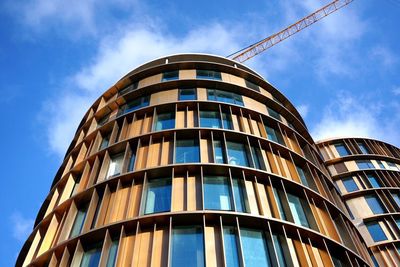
(158, 195)
(91, 256)
(115, 166)
(237, 154)
(170, 75)
(131, 164)
(187, 150)
(258, 158)
(374, 204)
(210, 119)
(187, 94)
(224, 96)
(79, 221)
(349, 184)
(342, 149)
(302, 175)
(231, 247)
(277, 239)
(299, 216)
(396, 198)
(373, 181)
(381, 166)
(219, 155)
(391, 164)
(217, 193)
(129, 88)
(164, 121)
(364, 164)
(135, 104)
(252, 86)
(376, 231)
(274, 114)
(255, 250)
(239, 195)
(363, 148)
(277, 194)
(274, 135)
(112, 253)
(187, 247)
(227, 121)
(208, 74)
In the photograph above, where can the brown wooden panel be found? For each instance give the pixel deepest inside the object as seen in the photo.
(178, 194)
(213, 246)
(160, 248)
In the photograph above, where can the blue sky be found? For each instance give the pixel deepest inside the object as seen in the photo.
(58, 56)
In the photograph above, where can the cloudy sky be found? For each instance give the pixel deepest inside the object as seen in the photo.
(58, 56)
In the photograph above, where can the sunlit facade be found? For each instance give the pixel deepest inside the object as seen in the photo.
(193, 160)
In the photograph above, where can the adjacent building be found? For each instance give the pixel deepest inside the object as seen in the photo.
(366, 172)
(196, 160)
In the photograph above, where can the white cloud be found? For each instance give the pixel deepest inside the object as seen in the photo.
(118, 54)
(396, 90)
(383, 55)
(349, 116)
(21, 226)
(303, 110)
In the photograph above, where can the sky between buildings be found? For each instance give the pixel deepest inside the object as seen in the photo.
(58, 56)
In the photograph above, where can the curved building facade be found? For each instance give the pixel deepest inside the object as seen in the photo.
(193, 160)
(367, 174)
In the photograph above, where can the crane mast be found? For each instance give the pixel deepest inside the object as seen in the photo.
(259, 47)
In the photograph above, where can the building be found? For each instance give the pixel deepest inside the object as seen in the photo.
(366, 172)
(193, 160)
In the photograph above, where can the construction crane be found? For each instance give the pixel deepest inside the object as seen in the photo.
(259, 47)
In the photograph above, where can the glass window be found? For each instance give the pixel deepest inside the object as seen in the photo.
(396, 198)
(349, 184)
(237, 154)
(216, 193)
(224, 96)
(105, 141)
(187, 150)
(258, 158)
(78, 222)
(208, 74)
(374, 204)
(115, 166)
(302, 176)
(170, 75)
(299, 216)
(274, 114)
(342, 150)
(210, 119)
(277, 196)
(187, 94)
(279, 250)
(103, 120)
(129, 88)
(391, 164)
(363, 148)
(219, 155)
(158, 195)
(252, 86)
(380, 164)
(132, 159)
(373, 181)
(364, 164)
(231, 247)
(398, 223)
(239, 195)
(112, 253)
(135, 104)
(91, 257)
(96, 212)
(376, 231)
(274, 135)
(187, 247)
(255, 250)
(227, 121)
(164, 121)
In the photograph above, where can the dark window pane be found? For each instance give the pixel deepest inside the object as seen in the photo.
(112, 253)
(342, 150)
(252, 86)
(227, 121)
(364, 164)
(105, 141)
(91, 257)
(374, 204)
(158, 195)
(128, 89)
(349, 184)
(135, 104)
(115, 165)
(274, 114)
(376, 231)
(278, 194)
(164, 121)
(363, 148)
(208, 74)
(231, 247)
(258, 158)
(187, 247)
(299, 216)
(255, 250)
(224, 96)
(239, 195)
(170, 76)
(216, 193)
(187, 94)
(302, 175)
(373, 181)
(210, 119)
(279, 250)
(219, 152)
(187, 150)
(274, 135)
(78, 222)
(132, 159)
(237, 154)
